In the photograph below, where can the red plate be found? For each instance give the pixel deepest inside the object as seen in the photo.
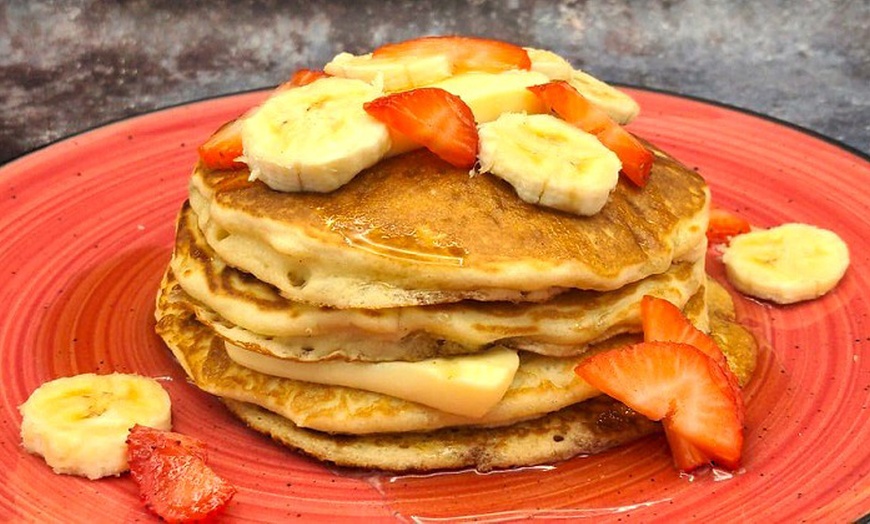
(86, 230)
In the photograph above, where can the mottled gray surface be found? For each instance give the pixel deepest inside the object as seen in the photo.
(69, 66)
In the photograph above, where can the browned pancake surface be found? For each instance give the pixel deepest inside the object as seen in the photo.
(418, 208)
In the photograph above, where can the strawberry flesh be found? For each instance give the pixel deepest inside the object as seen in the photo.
(561, 98)
(222, 149)
(724, 224)
(664, 322)
(174, 480)
(465, 53)
(302, 77)
(679, 385)
(436, 119)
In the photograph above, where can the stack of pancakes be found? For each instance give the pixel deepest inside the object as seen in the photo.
(416, 261)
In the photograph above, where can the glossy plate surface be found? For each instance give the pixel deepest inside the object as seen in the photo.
(86, 229)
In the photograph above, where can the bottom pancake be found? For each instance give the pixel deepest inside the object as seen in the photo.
(585, 428)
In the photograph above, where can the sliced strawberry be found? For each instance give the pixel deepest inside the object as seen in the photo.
(664, 322)
(561, 98)
(174, 480)
(222, 149)
(724, 224)
(687, 457)
(302, 77)
(437, 120)
(676, 383)
(465, 53)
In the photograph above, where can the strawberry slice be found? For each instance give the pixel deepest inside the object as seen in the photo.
(436, 119)
(724, 224)
(302, 77)
(561, 98)
(173, 478)
(678, 384)
(687, 457)
(222, 149)
(664, 322)
(464, 52)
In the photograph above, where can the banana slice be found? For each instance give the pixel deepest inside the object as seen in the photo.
(618, 105)
(392, 74)
(491, 94)
(315, 137)
(787, 263)
(549, 162)
(550, 64)
(79, 424)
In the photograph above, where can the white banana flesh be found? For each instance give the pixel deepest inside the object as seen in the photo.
(392, 74)
(489, 95)
(786, 264)
(550, 64)
(549, 162)
(315, 137)
(79, 424)
(618, 105)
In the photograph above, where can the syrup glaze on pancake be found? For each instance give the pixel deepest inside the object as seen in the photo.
(414, 230)
(253, 315)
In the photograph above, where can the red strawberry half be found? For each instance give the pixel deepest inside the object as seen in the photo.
(679, 385)
(466, 53)
(173, 478)
(436, 119)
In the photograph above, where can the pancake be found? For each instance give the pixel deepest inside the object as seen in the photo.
(586, 428)
(254, 315)
(546, 405)
(392, 236)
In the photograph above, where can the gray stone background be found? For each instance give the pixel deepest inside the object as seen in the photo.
(68, 66)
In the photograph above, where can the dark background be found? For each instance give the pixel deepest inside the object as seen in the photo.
(69, 66)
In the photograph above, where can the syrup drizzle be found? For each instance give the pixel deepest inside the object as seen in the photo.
(420, 246)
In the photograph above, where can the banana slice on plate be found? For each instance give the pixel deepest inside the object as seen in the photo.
(79, 424)
(549, 162)
(315, 137)
(787, 263)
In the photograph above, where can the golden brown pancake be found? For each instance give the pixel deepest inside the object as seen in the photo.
(413, 230)
(252, 314)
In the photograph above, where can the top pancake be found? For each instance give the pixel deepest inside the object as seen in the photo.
(414, 230)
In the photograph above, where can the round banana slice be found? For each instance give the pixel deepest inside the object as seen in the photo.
(79, 424)
(787, 263)
(549, 162)
(316, 137)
